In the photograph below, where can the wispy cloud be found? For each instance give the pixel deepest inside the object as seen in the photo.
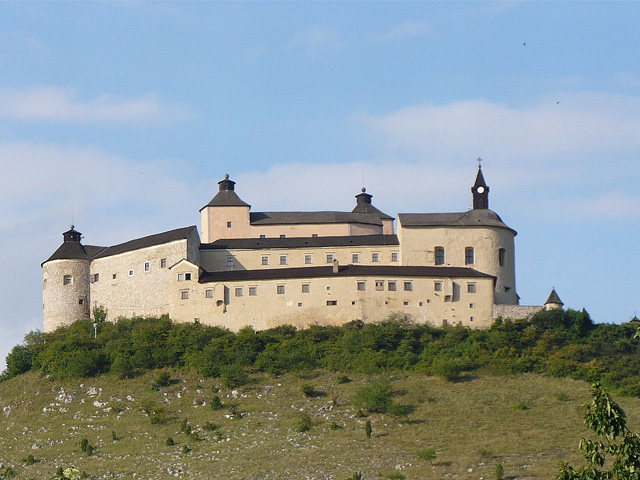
(409, 28)
(55, 104)
(315, 38)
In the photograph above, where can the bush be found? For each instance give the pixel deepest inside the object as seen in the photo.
(170, 442)
(343, 379)
(499, 471)
(162, 380)
(209, 426)
(428, 454)
(305, 423)
(368, 429)
(375, 397)
(216, 403)
(309, 391)
(233, 376)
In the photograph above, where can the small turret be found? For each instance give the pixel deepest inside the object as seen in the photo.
(480, 191)
(553, 301)
(364, 205)
(226, 215)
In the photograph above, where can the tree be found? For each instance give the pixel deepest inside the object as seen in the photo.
(608, 421)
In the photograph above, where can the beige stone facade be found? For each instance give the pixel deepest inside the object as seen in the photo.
(266, 269)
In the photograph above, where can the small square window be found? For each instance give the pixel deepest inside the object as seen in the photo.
(471, 319)
(329, 257)
(208, 293)
(280, 289)
(394, 256)
(114, 276)
(81, 301)
(391, 286)
(328, 287)
(471, 287)
(96, 277)
(405, 303)
(420, 303)
(408, 286)
(147, 266)
(314, 235)
(131, 272)
(184, 294)
(283, 236)
(187, 276)
(306, 288)
(181, 277)
(263, 236)
(253, 291)
(332, 303)
(283, 259)
(307, 259)
(355, 258)
(265, 260)
(299, 304)
(67, 280)
(238, 291)
(471, 305)
(361, 286)
(163, 263)
(353, 302)
(379, 285)
(228, 224)
(437, 286)
(375, 257)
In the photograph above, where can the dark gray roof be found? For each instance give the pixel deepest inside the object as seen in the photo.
(472, 218)
(226, 198)
(554, 298)
(343, 271)
(72, 251)
(288, 218)
(300, 242)
(368, 208)
(149, 241)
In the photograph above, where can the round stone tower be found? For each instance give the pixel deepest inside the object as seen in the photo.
(65, 283)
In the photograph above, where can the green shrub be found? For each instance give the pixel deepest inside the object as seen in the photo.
(30, 460)
(163, 379)
(305, 423)
(209, 426)
(216, 403)
(185, 427)
(427, 454)
(375, 397)
(185, 449)
(335, 426)
(343, 379)
(309, 391)
(521, 406)
(396, 476)
(499, 471)
(233, 376)
(114, 437)
(170, 442)
(368, 429)
(398, 410)
(9, 473)
(84, 445)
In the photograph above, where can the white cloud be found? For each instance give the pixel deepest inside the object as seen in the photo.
(56, 104)
(409, 28)
(315, 38)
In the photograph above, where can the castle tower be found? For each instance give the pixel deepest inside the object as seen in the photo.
(226, 215)
(65, 283)
(553, 301)
(480, 191)
(364, 205)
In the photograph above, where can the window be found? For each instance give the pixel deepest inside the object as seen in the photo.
(405, 303)
(229, 262)
(67, 280)
(408, 286)
(114, 276)
(283, 236)
(439, 255)
(507, 289)
(95, 277)
(394, 256)
(280, 289)
(187, 276)
(355, 258)
(314, 235)
(468, 256)
(306, 288)
(332, 303)
(329, 257)
(361, 286)
(471, 319)
(208, 293)
(283, 259)
(253, 291)
(81, 301)
(299, 304)
(391, 286)
(131, 272)
(471, 305)
(502, 254)
(375, 257)
(379, 285)
(238, 291)
(163, 263)
(307, 259)
(184, 276)
(263, 236)
(471, 287)
(265, 260)
(437, 286)
(184, 294)
(353, 302)
(228, 224)
(147, 266)
(420, 304)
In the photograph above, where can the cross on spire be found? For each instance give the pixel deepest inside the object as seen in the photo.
(479, 162)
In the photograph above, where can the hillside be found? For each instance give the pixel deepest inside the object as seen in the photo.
(526, 422)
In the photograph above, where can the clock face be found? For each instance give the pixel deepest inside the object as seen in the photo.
(480, 190)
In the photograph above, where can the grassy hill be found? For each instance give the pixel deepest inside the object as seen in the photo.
(526, 422)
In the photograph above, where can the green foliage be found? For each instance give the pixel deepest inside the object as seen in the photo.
(343, 379)
(396, 476)
(209, 426)
(310, 391)
(305, 423)
(356, 476)
(8, 473)
(162, 380)
(114, 437)
(368, 429)
(616, 452)
(521, 406)
(499, 471)
(216, 403)
(99, 313)
(30, 460)
(84, 445)
(185, 449)
(234, 376)
(427, 454)
(335, 426)
(376, 397)
(185, 426)
(170, 442)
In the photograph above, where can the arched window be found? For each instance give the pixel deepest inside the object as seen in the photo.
(468, 256)
(502, 257)
(439, 255)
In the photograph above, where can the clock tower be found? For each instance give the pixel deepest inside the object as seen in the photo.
(480, 191)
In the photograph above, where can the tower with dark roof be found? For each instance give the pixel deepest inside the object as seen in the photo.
(480, 192)
(364, 205)
(226, 212)
(65, 287)
(553, 301)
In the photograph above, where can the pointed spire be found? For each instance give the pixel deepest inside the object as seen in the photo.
(554, 300)
(480, 190)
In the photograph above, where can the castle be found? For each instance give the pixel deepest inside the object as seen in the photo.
(265, 269)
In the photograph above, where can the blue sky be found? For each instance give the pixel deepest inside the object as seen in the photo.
(122, 116)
